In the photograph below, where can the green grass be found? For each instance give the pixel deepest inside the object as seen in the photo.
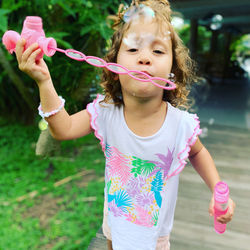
(63, 217)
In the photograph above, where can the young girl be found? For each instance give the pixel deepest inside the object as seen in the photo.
(146, 139)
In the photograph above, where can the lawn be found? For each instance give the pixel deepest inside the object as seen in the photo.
(49, 203)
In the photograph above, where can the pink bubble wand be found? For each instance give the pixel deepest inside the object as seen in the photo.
(117, 68)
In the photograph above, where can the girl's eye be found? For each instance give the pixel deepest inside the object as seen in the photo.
(132, 50)
(157, 51)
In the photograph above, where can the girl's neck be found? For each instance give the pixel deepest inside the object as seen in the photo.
(144, 117)
(143, 107)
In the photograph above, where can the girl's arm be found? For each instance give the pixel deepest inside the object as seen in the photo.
(62, 125)
(203, 163)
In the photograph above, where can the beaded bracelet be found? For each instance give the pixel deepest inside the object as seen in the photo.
(48, 114)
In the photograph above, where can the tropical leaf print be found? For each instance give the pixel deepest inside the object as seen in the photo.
(155, 218)
(111, 197)
(108, 151)
(108, 186)
(122, 200)
(158, 198)
(157, 183)
(136, 171)
(118, 165)
(142, 167)
(156, 187)
(145, 200)
(164, 164)
(117, 211)
(143, 217)
(133, 187)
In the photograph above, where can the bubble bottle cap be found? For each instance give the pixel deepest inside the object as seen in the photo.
(221, 192)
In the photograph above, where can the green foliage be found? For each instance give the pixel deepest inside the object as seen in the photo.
(241, 47)
(3, 18)
(204, 37)
(57, 218)
(78, 24)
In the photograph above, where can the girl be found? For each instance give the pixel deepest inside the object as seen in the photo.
(146, 139)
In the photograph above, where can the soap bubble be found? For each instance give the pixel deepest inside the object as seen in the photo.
(136, 11)
(132, 40)
(204, 133)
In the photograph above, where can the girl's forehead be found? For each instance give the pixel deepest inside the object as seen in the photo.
(152, 27)
(147, 31)
(143, 18)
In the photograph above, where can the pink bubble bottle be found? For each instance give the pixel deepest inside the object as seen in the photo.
(32, 32)
(221, 196)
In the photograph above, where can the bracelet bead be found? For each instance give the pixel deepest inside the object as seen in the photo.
(53, 112)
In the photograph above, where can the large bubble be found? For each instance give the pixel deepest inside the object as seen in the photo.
(135, 12)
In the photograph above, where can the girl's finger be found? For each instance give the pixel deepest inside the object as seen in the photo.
(29, 51)
(211, 211)
(211, 207)
(33, 55)
(19, 49)
(225, 218)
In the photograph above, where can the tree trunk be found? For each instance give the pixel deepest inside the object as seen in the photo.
(19, 84)
(47, 145)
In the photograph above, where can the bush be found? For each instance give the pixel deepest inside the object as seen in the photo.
(78, 24)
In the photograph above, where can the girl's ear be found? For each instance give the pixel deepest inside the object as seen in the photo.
(116, 77)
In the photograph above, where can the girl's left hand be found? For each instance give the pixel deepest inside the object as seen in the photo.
(226, 217)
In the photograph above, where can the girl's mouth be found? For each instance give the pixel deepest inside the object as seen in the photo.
(146, 73)
(143, 75)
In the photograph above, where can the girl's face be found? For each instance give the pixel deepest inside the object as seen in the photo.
(145, 48)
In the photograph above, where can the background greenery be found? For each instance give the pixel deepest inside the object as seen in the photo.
(78, 24)
(63, 217)
(66, 216)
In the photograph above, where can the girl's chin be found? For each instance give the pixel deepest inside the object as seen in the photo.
(146, 92)
(141, 89)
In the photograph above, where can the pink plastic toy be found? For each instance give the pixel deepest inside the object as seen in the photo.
(221, 196)
(118, 69)
(32, 32)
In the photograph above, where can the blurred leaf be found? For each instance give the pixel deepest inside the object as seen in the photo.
(87, 29)
(58, 36)
(4, 19)
(11, 4)
(67, 8)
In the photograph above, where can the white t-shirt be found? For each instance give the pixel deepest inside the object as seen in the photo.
(142, 173)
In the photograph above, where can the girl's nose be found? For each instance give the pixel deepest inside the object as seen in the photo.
(144, 59)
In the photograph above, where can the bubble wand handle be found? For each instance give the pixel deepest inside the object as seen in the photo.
(32, 32)
(221, 196)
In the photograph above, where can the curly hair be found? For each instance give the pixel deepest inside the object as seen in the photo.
(183, 66)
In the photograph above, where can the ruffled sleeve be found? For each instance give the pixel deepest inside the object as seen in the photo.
(97, 119)
(187, 134)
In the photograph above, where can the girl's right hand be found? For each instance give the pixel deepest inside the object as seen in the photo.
(36, 69)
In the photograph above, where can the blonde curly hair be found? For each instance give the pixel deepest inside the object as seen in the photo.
(183, 66)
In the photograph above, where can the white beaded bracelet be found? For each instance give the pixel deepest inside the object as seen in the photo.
(48, 114)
